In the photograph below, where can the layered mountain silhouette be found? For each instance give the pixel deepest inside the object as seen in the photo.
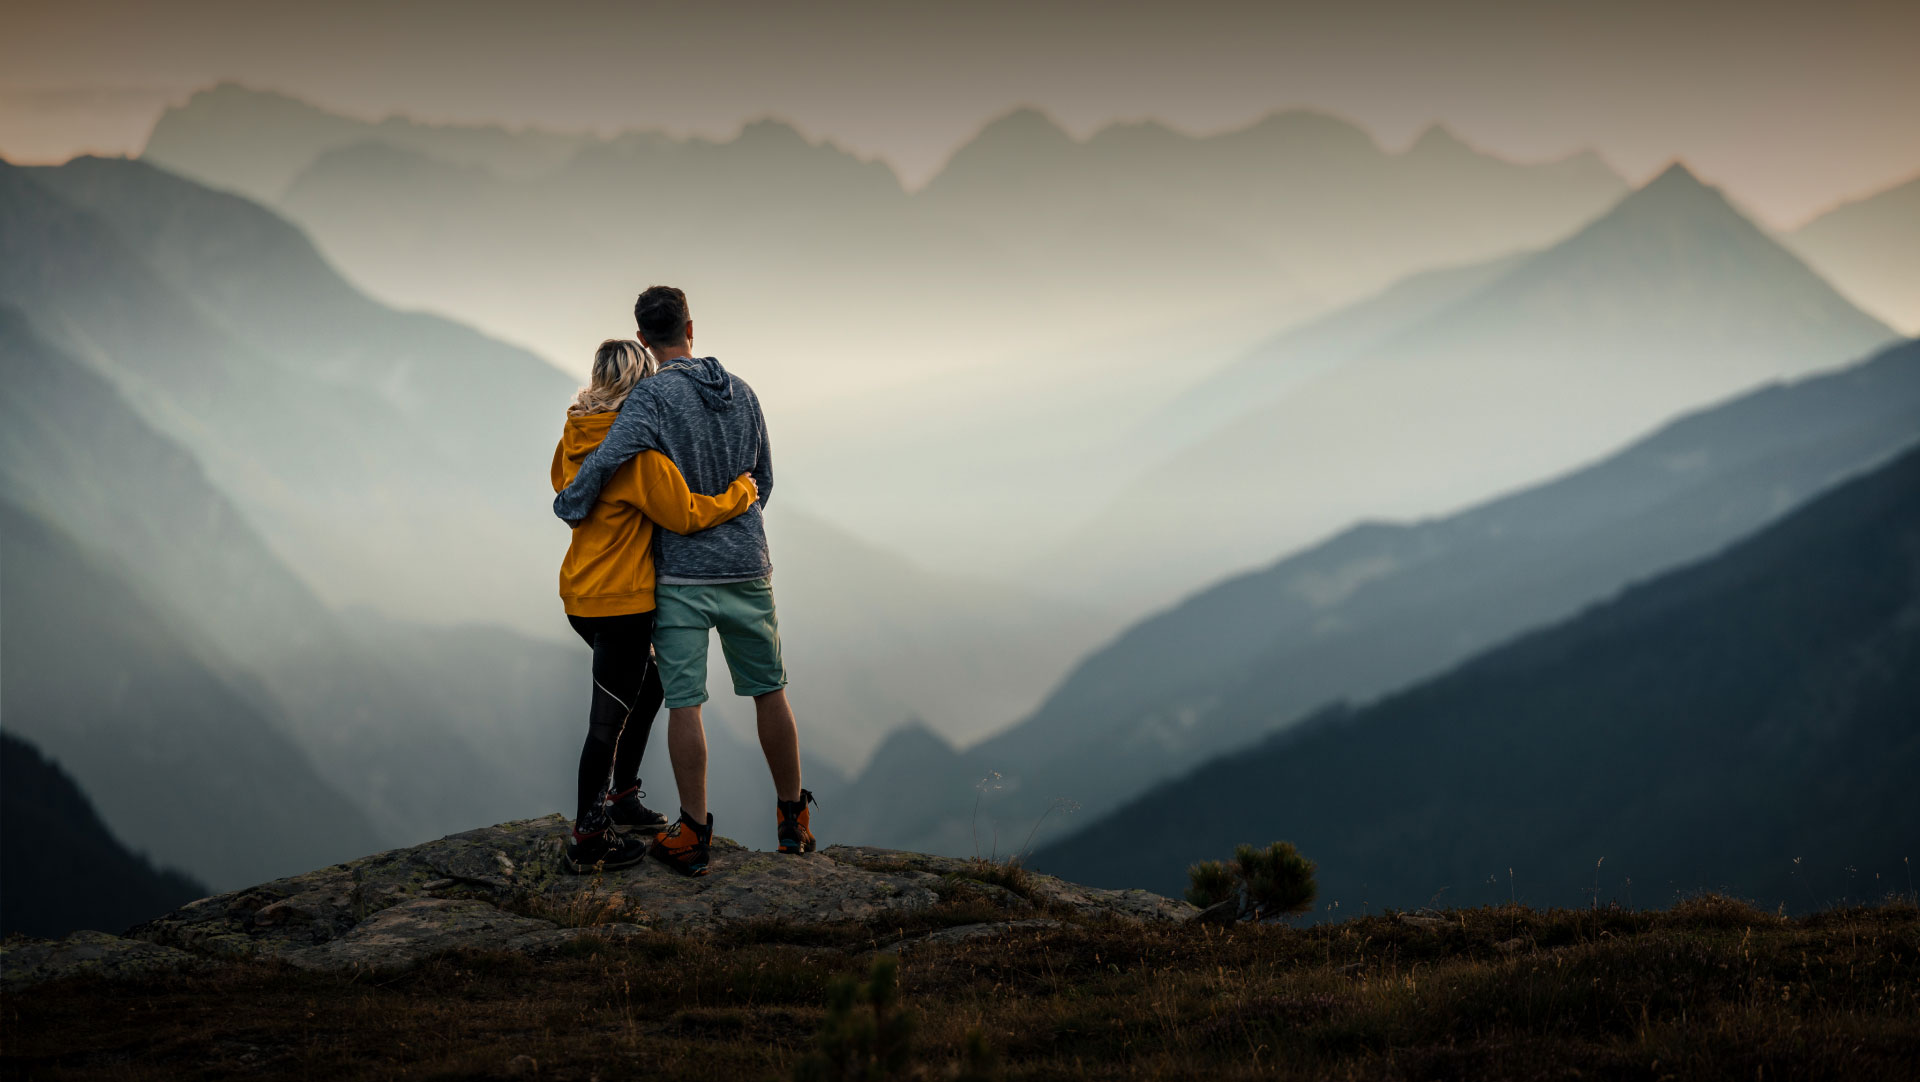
(223, 718)
(1669, 301)
(187, 755)
(1284, 361)
(1870, 250)
(1744, 724)
(256, 142)
(1025, 228)
(60, 868)
(1306, 192)
(1380, 606)
(352, 435)
(397, 462)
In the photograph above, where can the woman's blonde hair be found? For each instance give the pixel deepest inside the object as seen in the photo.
(618, 364)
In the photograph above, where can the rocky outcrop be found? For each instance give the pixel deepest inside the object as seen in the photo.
(25, 961)
(502, 888)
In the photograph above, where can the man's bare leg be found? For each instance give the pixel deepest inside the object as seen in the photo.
(779, 742)
(687, 748)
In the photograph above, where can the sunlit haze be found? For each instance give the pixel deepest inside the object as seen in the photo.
(1792, 106)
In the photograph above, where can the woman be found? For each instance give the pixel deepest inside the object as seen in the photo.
(606, 585)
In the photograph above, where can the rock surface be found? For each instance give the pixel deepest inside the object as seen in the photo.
(502, 888)
(25, 961)
(1043, 890)
(966, 932)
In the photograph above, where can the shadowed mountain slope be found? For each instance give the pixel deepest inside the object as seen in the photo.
(1743, 724)
(311, 406)
(1381, 605)
(61, 869)
(398, 462)
(77, 457)
(188, 758)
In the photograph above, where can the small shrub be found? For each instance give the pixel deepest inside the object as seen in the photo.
(1271, 883)
(1278, 880)
(866, 1045)
(1210, 882)
(1710, 910)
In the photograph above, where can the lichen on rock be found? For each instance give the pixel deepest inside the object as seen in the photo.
(25, 961)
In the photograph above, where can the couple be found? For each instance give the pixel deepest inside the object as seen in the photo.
(656, 429)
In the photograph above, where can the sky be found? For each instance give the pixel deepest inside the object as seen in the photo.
(1791, 107)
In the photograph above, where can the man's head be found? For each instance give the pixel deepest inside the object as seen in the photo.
(661, 316)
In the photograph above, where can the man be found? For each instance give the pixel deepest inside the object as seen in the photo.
(708, 422)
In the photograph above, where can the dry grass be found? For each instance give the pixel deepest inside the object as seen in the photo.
(1709, 990)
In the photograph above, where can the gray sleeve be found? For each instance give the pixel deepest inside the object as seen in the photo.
(763, 460)
(633, 431)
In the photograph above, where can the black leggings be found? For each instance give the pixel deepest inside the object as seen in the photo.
(626, 696)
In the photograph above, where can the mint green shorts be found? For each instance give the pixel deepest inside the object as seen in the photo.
(749, 637)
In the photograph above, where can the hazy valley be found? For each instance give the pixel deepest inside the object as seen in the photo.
(1120, 474)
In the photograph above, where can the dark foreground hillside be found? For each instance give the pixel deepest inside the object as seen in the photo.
(1709, 990)
(60, 868)
(1749, 724)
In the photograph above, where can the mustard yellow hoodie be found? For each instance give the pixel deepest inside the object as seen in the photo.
(609, 566)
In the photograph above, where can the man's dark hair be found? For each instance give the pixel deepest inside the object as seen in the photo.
(661, 315)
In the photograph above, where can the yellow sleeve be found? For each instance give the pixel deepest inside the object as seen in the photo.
(662, 495)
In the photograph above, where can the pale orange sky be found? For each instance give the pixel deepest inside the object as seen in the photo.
(1792, 107)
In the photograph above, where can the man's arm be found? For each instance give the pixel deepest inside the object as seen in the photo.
(763, 463)
(632, 432)
(660, 491)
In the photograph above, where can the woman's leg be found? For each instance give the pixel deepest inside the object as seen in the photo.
(621, 661)
(633, 739)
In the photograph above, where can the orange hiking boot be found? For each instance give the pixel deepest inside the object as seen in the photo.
(684, 846)
(792, 822)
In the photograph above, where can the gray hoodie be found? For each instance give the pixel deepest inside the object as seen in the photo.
(708, 421)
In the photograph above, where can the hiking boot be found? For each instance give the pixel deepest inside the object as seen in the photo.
(796, 835)
(602, 849)
(628, 814)
(684, 846)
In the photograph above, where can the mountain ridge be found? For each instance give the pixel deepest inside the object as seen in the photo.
(1866, 248)
(1707, 728)
(60, 867)
(1381, 604)
(1678, 298)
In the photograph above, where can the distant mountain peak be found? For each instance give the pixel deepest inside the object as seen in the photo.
(1025, 126)
(1019, 139)
(1675, 194)
(1312, 128)
(772, 131)
(1440, 139)
(1677, 176)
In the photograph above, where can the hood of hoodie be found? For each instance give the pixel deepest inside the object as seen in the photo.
(583, 433)
(716, 386)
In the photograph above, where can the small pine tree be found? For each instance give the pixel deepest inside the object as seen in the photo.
(1210, 882)
(1270, 883)
(862, 1046)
